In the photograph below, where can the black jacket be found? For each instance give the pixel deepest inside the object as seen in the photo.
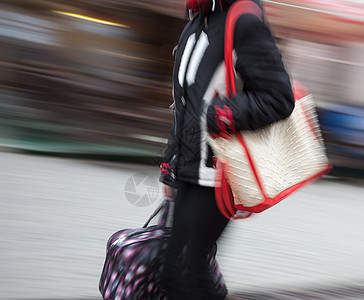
(199, 86)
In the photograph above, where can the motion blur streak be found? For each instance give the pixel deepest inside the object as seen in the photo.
(352, 11)
(297, 6)
(89, 19)
(73, 86)
(95, 77)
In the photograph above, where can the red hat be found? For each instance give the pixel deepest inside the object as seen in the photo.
(195, 4)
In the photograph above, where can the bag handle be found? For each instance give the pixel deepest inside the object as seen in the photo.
(238, 9)
(224, 201)
(164, 207)
(223, 193)
(225, 198)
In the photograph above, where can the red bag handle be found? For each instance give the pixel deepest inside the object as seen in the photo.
(223, 193)
(235, 11)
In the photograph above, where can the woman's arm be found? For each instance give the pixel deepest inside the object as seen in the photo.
(267, 96)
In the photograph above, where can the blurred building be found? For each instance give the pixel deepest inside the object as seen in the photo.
(88, 76)
(95, 76)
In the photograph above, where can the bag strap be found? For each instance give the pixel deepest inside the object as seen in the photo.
(223, 193)
(224, 201)
(162, 222)
(238, 9)
(225, 198)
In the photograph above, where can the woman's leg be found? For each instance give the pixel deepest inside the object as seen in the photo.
(198, 222)
(207, 225)
(171, 276)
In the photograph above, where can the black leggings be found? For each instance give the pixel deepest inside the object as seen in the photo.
(198, 223)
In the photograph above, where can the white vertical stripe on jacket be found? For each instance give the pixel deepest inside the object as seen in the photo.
(217, 85)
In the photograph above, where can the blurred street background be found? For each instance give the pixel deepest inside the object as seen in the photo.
(57, 214)
(89, 83)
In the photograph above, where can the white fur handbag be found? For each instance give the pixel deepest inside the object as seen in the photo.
(257, 169)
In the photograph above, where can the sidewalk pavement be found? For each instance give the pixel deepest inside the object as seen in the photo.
(56, 215)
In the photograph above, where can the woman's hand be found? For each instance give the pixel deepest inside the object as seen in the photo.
(168, 192)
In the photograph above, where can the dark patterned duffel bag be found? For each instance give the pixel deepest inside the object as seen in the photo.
(134, 260)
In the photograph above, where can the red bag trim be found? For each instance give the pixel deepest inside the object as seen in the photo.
(219, 180)
(299, 90)
(227, 194)
(269, 202)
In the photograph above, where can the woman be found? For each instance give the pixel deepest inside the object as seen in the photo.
(198, 89)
